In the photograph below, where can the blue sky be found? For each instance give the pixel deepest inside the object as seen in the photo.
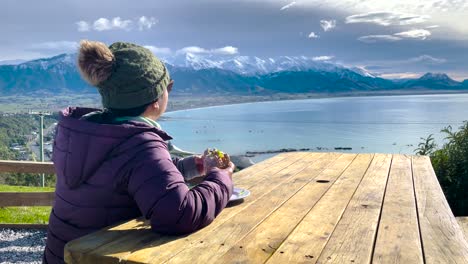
(398, 38)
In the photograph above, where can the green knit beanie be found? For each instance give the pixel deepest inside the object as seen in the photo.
(138, 77)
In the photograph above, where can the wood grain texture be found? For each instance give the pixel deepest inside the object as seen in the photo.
(259, 244)
(75, 250)
(443, 238)
(398, 238)
(26, 199)
(223, 237)
(144, 244)
(290, 217)
(463, 222)
(354, 235)
(307, 241)
(26, 167)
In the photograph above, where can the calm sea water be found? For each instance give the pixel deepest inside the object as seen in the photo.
(383, 124)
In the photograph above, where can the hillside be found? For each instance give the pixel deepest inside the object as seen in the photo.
(239, 75)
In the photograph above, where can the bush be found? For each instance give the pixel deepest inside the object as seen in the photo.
(451, 167)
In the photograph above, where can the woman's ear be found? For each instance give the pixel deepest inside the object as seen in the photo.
(155, 106)
(152, 110)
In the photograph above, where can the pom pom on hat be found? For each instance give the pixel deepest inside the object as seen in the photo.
(95, 61)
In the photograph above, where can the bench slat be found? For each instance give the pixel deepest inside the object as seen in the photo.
(26, 167)
(26, 199)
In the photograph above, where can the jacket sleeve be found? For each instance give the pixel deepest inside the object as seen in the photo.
(187, 167)
(159, 190)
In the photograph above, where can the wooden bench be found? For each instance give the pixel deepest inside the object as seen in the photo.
(26, 198)
(306, 207)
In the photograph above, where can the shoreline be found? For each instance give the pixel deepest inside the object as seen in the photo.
(178, 103)
(20, 104)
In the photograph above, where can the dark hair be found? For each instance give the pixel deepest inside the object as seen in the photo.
(136, 111)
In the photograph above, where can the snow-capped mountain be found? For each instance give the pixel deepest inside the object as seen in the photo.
(12, 62)
(435, 81)
(248, 65)
(206, 75)
(56, 74)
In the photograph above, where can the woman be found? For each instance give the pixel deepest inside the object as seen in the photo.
(113, 165)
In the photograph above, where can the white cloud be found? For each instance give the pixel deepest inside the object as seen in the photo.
(400, 75)
(386, 18)
(414, 33)
(56, 46)
(328, 25)
(83, 26)
(378, 38)
(103, 24)
(227, 50)
(313, 35)
(192, 49)
(449, 14)
(158, 50)
(322, 58)
(288, 6)
(146, 23)
(434, 26)
(116, 23)
(427, 59)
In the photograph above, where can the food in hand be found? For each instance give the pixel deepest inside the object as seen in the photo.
(217, 158)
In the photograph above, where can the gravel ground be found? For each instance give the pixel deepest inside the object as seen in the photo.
(21, 245)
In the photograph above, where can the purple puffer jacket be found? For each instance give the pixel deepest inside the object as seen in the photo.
(111, 173)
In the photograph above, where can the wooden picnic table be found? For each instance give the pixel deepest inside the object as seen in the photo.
(307, 207)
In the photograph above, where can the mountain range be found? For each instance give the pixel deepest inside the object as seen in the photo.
(223, 75)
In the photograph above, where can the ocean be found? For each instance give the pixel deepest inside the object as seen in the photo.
(373, 124)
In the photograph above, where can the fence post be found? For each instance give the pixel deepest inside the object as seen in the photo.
(41, 140)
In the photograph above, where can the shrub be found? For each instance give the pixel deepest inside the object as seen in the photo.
(451, 166)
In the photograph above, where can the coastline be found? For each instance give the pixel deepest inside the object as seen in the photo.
(12, 104)
(180, 103)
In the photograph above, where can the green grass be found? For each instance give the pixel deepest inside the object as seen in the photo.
(9, 188)
(25, 215)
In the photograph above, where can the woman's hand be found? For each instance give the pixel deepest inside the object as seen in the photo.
(213, 158)
(199, 164)
(230, 169)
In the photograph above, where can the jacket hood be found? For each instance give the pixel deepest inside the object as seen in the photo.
(81, 146)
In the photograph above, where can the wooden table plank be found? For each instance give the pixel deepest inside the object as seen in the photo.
(76, 249)
(353, 238)
(309, 238)
(283, 159)
(152, 244)
(222, 238)
(259, 244)
(398, 238)
(463, 222)
(443, 239)
(307, 221)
